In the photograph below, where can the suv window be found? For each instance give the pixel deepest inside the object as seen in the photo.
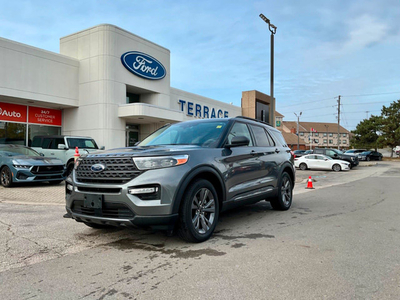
(37, 142)
(81, 143)
(330, 152)
(261, 136)
(46, 143)
(278, 136)
(240, 129)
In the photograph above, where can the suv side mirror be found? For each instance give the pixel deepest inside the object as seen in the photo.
(102, 147)
(62, 147)
(238, 141)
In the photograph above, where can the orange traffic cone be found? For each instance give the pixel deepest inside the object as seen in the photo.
(309, 183)
(76, 155)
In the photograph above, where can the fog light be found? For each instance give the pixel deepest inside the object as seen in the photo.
(70, 187)
(139, 191)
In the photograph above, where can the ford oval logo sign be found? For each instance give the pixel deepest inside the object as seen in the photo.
(143, 65)
(97, 168)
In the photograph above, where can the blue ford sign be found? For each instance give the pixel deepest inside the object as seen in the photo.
(143, 65)
(97, 168)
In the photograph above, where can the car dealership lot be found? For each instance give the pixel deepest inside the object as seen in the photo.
(328, 245)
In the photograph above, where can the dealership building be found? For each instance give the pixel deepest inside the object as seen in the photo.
(106, 83)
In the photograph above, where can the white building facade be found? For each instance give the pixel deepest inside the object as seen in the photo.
(106, 83)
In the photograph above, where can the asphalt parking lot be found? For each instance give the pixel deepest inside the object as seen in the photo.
(327, 246)
(45, 194)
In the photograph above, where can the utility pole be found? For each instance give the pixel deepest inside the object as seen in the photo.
(338, 125)
(298, 134)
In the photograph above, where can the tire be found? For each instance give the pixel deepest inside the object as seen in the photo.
(336, 168)
(368, 158)
(6, 177)
(380, 157)
(199, 212)
(70, 168)
(283, 200)
(98, 226)
(55, 182)
(303, 166)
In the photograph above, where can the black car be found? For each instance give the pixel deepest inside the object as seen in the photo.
(337, 154)
(299, 153)
(183, 175)
(370, 155)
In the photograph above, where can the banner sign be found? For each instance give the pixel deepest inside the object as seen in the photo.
(44, 116)
(12, 112)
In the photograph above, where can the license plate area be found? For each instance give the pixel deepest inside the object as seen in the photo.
(93, 201)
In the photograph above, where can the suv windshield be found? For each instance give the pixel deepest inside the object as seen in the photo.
(82, 143)
(11, 150)
(203, 134)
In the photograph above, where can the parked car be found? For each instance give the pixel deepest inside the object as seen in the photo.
(23, 164)
(397, 150)
(370, 155)
(309, 152)
(337, 154)
(183, 174)
(298, 153)
(321, 162)
(63, 147)
(354, 151)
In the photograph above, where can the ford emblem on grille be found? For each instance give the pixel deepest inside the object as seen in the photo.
(97, 168)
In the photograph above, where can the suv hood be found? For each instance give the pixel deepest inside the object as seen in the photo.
(148, 150)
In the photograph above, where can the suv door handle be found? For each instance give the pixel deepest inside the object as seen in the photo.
(253, 152)
(276, 150)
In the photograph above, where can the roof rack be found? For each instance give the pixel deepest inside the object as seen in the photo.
(251, 119)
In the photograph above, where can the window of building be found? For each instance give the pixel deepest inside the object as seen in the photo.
(12, 133)
(330, 141)
(325, 141)
(316, 134)
(331, 134)
(262, 111)
(325, 134)
(316, 140)
(132, 98)
(344, 142)
(35, 130)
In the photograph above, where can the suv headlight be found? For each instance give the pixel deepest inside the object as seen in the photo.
(158, 162)
(77, 162)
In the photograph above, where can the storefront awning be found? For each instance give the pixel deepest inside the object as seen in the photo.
(142, 113)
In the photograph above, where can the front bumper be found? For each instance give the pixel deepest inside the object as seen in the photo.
(119, 207)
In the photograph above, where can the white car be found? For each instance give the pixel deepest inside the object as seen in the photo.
(321, 162)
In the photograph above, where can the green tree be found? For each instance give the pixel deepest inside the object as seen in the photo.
(390, 125)
(366, 134)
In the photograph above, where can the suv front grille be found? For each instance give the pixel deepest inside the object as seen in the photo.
(109, 210)
(117, 170)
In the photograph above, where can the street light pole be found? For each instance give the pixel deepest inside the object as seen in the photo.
(272, 29)
(298, 135)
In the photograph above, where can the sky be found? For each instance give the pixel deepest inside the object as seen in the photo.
(323, 49)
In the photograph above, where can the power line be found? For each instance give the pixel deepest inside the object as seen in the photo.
(366, 95)
(291, 105)
(366, 103)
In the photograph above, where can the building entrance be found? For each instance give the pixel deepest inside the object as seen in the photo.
(132, 135)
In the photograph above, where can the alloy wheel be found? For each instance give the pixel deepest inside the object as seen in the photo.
(5, 177)
(203, 210)
(286, 191)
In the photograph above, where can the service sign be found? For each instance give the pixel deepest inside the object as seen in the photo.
(143, 65)
(44, 116)
(12, 112)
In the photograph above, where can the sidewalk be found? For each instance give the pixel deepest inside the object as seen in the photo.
(38, 194)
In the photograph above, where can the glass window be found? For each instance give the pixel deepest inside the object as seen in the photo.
(81, 143)
(15, 150)
(132, 98)
(325, 141)
(316, 140)
(35, 130)
(316, 134)
(262, 110)
(239, 129)
(260, 136)
(325, 134)
(331, 134)
(344, 142)
(12, 133)
(330, 141)
(344, 134)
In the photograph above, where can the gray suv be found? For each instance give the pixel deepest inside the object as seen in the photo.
(183, 176)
